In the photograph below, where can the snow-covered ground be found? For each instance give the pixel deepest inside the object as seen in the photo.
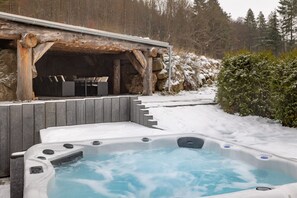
(253, 131)
(4, 188)
(96, 131)
(4, 191)
(205, 95)
(189, 112)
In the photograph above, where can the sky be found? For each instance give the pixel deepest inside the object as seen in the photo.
(239, 8)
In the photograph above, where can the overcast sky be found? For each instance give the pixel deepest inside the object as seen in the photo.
(239, 8)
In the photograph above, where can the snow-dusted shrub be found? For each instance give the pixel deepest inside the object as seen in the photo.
(244, 84)
(258, 84)
(285, 89)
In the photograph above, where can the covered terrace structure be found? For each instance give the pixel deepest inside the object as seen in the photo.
(47, 48)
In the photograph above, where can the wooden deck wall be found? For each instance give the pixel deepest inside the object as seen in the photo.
(20, 123)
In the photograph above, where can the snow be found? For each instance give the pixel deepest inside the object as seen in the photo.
(4, 188)
(4, 191)
(189, 112)
(253, 131)
(205, 95)
(96, 131)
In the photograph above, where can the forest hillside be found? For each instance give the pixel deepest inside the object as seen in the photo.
(200, 26)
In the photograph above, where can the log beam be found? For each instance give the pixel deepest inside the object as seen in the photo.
(117, 77)
(135, 63)
(153, 52)
(9, 36)
(140, 57)
(40, 50)
(29, 40)
(70, 41)
(148, 76)
(24, 73)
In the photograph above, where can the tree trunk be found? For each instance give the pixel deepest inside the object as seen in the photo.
(116, 77)
(148, 76)
(24, 73)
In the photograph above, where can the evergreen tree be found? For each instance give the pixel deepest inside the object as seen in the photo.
(199, 6)
(288, 13)
(219, 29)
(261, 21)
(183, 30)
(200, 29)
(250, 19)
(251, 24)
(199, 25)
(273, 40)
(262, 31)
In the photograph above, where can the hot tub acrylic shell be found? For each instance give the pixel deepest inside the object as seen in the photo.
(36, 183)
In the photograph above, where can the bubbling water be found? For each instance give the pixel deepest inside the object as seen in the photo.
(178, 172)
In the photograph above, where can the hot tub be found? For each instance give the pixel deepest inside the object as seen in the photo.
(181, 165)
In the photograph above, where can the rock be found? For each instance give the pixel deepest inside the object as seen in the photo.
(178, 79)
(155, 79)
(166, 58)
(6, 94)
(201, 79)
(163, 74)
(191, 82)
(189, 72)
(8, 75)
(162, 85)
(136, 87)
(158, 64)
(209, 82)
(177, 87)
(211, 76)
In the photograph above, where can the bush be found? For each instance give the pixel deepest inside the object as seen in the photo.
(244, 84)
(284, 89)
(258, 84)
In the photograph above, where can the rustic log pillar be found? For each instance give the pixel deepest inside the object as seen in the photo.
(148, 76)
(117, 77)
(24, 72)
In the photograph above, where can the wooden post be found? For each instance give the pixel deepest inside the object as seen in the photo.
(117, 77)
(24, 72)
(148, 76)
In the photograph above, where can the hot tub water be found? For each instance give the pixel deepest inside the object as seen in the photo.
(167, 172)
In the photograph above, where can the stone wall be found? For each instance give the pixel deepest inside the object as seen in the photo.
(189, 72)
(8, 75)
